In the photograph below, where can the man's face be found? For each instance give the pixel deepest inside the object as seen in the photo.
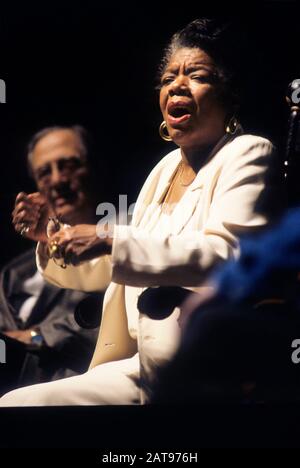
(60, 173)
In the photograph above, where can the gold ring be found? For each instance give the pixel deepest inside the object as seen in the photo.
(24, 229)
(53, 248)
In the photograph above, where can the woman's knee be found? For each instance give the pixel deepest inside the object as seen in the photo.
(46, 394)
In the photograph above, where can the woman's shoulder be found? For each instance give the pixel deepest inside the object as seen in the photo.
(243, 152)
(249, 142)
(247, 148)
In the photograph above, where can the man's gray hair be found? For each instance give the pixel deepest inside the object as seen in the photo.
(80, 131)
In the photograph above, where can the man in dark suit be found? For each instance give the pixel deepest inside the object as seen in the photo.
(37, 317)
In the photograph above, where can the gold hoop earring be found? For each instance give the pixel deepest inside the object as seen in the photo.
(232, 125)
(162, 129)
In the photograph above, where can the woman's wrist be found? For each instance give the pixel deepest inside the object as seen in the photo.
(103, 244)
(105, 235)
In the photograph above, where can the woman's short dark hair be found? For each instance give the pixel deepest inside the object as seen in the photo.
(222, 40)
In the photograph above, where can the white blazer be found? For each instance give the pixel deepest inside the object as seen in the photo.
(215, 210)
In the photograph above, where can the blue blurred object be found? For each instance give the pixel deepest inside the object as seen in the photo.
(269, 263)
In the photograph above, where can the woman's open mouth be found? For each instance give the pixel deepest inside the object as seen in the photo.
(178, 113)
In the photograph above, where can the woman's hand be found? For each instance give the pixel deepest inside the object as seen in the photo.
(30, 216)
(81, 243)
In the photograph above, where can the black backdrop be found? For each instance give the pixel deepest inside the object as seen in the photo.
(95, 64)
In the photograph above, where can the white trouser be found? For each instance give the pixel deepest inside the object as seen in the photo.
(112, 383)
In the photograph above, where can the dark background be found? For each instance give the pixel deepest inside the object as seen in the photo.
(96, 64)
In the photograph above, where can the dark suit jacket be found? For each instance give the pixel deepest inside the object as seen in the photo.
(68, 345)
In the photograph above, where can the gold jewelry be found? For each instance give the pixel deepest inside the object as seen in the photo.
(54, 250)
(162, 131)
(232, 125)
(24, 229)
(57, 262)
(165, 206)
(180, 177)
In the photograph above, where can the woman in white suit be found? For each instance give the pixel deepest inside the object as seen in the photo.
(188, 217)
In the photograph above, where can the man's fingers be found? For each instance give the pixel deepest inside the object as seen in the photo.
(24, 217)
(32, 198)
(37, 197)
(24, 205)
(20, 197)
(21, 226)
